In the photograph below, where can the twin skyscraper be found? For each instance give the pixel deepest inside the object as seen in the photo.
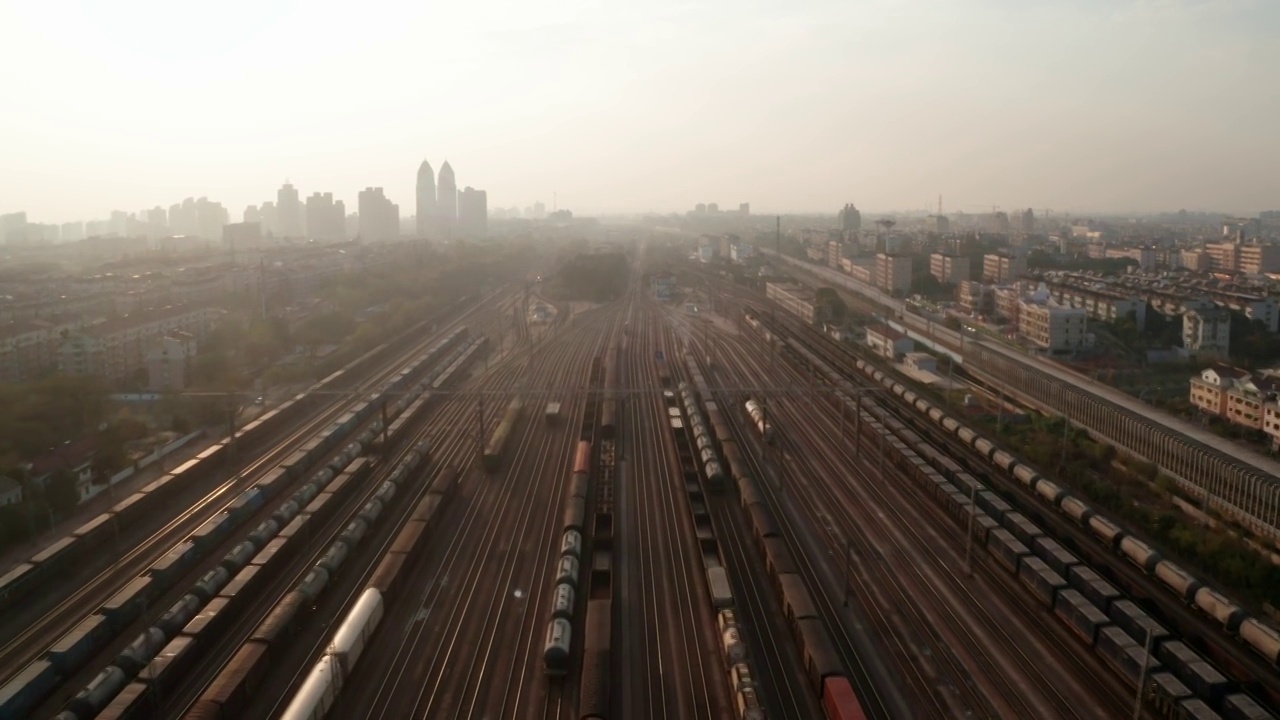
(442, 210)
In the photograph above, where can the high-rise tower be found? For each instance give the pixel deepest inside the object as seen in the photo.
(426, 199)
(447, 199)
(289, 211)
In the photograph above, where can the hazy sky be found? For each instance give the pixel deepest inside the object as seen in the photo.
(802, 105)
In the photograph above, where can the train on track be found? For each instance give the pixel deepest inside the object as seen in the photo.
(497, 444)
(760, 419)
(556, 648)
(821, 661)
(74, 649)
(609, 407)
(1180, 682)
(319, 691)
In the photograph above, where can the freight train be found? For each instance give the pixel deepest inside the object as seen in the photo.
(821, 661)
(498, 441)
(70, 653)
(1179, 680)
(556, 648)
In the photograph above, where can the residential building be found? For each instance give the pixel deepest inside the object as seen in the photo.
(1007, 302)
(663, 284)
(1000, 268)
(169, 361)
(325, 217)
(796, 299)
(116, 349)
(893, 273)
(887, 342)
(242, 236)
(949, 269)
(834, 252)
(1100, 303)
(1271, 421)
(473, 212)
(1053, 327)
(941, 224)
(1251, 258)
(850, 219)
(1235, 395)
(1207, 332)
(741, 252)
(974, 298)
(379, 217)
(289, 209)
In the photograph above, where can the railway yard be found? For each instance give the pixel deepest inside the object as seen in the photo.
(630, 511)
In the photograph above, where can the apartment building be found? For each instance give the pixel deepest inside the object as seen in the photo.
(1237, 396)
(169, 361)
(893, 273)
(1252, 258)
(1054, 327)
(949, 269)
(975, 298)
(796, 299)
(1207, 332)
(1000, 268)
(1100, 304)
(117, 348)
(887, 342)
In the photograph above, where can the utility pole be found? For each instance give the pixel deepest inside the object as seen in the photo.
(1142, 678)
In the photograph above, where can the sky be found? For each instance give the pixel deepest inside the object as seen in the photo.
(1074, 106)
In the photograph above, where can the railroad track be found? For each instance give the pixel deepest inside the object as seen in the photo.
(679, 681)
(967, 622)
(875, 701)
(37, 637)
(417, 685)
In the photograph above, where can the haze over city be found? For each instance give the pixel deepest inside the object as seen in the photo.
(1103, 107)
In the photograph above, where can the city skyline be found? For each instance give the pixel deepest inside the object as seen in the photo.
(1090, 107)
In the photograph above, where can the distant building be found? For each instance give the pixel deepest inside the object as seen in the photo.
(169, 360)
(426, 200)
(473, 212)
(999, 268)
(663, 285)
(949, 269)
(379, 217)
(117, 348)
(1235, 395)
(700, 208)
(1052, 326)
(834, 251)
(447, 200)
(1026, 222)
(290, 210)
(242, 236)
(887, 342)
(850, 219)
(796, 299)
(325, 217)
(975, 298)
(941, 224)
(893, 273)
(1207, 332)
(744, 208)
(740, 252)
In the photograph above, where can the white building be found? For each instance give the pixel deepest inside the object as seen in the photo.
(887, 342)
(1052, 326)
(893, 273)
(1207, 331)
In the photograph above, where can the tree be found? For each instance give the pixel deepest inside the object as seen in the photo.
(63, 496)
